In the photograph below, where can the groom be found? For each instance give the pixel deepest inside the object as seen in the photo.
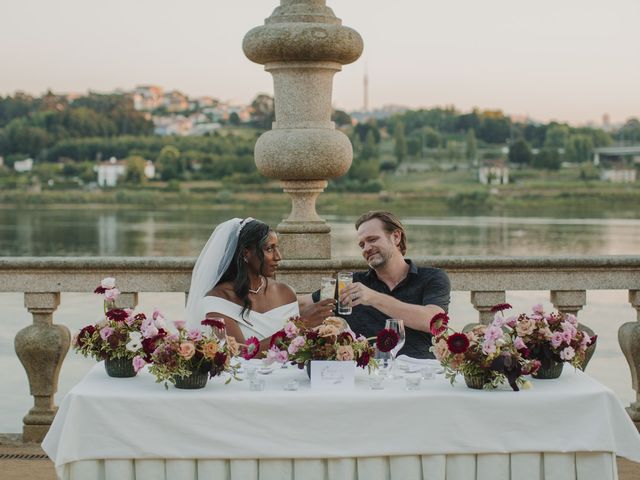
(393, 287)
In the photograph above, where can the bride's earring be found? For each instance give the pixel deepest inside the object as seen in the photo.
(245, 260)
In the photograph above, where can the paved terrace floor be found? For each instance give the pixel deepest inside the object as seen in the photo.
(19, 461)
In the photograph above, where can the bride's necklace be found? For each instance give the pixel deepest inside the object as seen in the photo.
(257, 290)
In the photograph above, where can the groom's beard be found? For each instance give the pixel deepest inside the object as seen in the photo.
(379, 258)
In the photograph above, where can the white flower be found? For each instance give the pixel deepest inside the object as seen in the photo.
(135, 341)
(108, 283)
(567, 354)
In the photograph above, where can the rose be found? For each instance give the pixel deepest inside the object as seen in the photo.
(210, 349)
(186, 350)
(328, 331)
(335, 321)
(344, 353)
(194, 335)
(556, 339)
(138, 363)
(112, 294)
(108, 283)
(525, 327)
(233, 345)
(441, 349)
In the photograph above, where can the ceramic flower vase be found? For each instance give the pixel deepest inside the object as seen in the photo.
(476, 381)
(119, 367)
(554, 371)
(193, 381)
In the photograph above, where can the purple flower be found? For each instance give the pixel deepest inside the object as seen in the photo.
(290, 330)
(138, 363)
(194, 335)
(538, 308)
(106, 332)
(179, 324)
(111, 294)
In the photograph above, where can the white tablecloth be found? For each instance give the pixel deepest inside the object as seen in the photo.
(107, 418)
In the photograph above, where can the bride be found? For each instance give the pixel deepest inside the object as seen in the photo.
(233, 279)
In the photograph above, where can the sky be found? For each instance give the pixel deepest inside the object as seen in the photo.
(564, 60)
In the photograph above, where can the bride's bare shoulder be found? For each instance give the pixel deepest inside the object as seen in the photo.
(284, 291)
(223, 290)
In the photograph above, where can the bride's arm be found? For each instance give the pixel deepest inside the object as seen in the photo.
(233, 330)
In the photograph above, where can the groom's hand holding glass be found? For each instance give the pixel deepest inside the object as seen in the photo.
(357, 294)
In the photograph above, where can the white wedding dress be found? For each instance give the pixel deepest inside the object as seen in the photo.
(255, 324)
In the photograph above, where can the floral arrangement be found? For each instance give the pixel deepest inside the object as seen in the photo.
(186, 352)
(331, 340)
(488, 352)
(552, 337)
(116, 335)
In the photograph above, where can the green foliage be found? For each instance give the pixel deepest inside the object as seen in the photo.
(547, 159)
(370, 147)
(169, 163)
(556, 136)
(579, 148)
(262, 112)
(471, 146)
(520, 152)
(400, 142)
(341, 118)
(135, 170)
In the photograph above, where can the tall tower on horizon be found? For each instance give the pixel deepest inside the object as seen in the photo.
(365, 106)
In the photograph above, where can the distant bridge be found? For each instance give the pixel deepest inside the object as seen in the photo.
(633, 150)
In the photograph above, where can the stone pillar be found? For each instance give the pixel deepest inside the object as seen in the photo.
(483, 302)
(303, 44)
(41, 348)
(572, 301)
(629, 339)
(127, 300)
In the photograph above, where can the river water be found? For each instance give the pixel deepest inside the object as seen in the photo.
(104, 232)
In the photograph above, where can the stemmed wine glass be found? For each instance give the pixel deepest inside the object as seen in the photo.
(397, 326)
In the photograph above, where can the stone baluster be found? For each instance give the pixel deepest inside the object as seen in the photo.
(571, 302)
(483, 302)
(302, 45)
(127, 300)
(41, 348)
(629, 339)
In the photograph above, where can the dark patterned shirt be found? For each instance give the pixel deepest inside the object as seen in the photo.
(421, 286)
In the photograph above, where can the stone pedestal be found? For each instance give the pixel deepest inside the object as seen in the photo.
(41, 348)
(303, 44)
(629, 339)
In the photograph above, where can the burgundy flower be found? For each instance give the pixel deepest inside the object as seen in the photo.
(148, 347)
(251, 348)
(114, 340)
(592, 340)
(277, 338)
(100, 289)
(531, 368)
(117, 315)
(387, 339)
(363, 360)
(458, 343)
(500, 307)
(344, 338)
(216, 322)
(140, 317)
(219, 359)
(438, 323)
(161, 333)
(312, 335)
(85, 334)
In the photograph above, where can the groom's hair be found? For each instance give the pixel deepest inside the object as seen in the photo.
(390, 223)
(253, 236)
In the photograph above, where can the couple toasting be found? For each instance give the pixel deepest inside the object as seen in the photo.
(234, 279)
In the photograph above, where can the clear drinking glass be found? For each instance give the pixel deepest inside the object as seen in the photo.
(327, 288)
(397, 326)
(344, 279)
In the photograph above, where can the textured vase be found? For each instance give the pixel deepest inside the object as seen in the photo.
(194, 381)
(476, 381)
(119, 367)
(553, 371)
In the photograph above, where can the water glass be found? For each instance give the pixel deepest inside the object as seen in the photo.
(251, 371)
(428, 372)
(397, 326)
(256, 384)
(376, 381)
(291, 386)
(344, 279)
(412, 382)
(327, 288)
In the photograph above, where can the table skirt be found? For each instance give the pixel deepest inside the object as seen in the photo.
(515, 466)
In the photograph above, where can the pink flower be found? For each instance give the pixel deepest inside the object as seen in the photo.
(130, 316)
(498, 320)
(252, 347)
(295, 345)
(186, 350)
(556, 339)
(138, 363)
(493, 333)
(276, 355)
(290, 330)
(571, 319)
(344, 353)
(511, 321)
(148, 328)
(538, 308)
(106, 332)
(194, 335)
(585, 340)
(111, 294)
(159, 319)
(108, 283)
(568, 353)
(488, 347)
(438, 324)
(179, 324)
(519, 344)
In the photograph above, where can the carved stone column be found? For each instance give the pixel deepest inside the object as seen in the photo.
(484, 301)
(629, 339)
(572, 301)
(41, 348)
(303, 44)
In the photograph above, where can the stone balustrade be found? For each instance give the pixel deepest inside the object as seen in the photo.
(41, 346)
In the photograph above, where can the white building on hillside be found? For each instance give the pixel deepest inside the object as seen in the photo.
(22, 166)
(108, 172)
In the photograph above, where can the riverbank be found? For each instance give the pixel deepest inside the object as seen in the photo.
(438, 194)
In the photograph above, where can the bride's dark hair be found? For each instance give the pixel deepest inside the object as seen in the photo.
(253, 236)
